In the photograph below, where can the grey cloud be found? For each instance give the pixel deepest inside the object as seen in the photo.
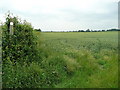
(80, 18)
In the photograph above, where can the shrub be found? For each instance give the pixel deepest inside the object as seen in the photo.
(21, 46)
(19, 51)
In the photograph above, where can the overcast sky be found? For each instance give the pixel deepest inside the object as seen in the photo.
(64, 14)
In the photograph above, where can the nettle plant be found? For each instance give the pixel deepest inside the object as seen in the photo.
(20, 46)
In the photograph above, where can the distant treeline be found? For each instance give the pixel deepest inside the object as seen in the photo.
(88, 30)
(37, 30)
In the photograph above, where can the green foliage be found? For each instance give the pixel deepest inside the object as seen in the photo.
(21, 46)
(18, 54)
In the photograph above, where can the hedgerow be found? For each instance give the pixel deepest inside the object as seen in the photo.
(21, 46)
(22, 59)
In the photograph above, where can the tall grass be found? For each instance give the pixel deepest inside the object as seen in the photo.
(68, 60)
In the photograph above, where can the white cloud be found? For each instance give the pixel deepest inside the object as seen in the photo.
(64, 14)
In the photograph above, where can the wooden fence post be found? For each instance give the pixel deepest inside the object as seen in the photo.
(11, 28)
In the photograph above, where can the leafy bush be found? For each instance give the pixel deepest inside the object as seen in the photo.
(19, 47)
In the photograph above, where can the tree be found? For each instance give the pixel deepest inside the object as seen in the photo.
(80, 30)
(38, 30)
(88, 30)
